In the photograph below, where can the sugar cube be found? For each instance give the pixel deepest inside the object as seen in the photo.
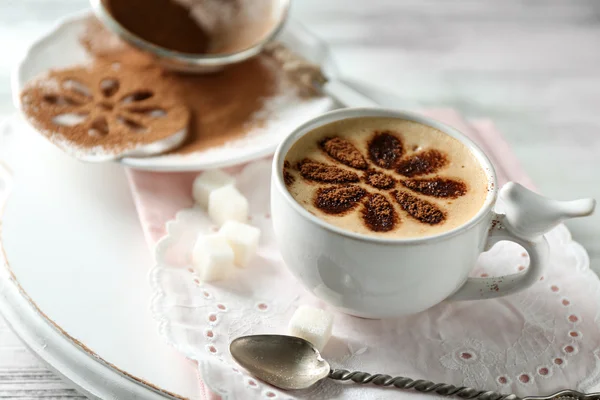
(208, 181)
(227, 203)
(212, 258)
(312, 324)
(243, 239)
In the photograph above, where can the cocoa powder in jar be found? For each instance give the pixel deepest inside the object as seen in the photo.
(164, 23)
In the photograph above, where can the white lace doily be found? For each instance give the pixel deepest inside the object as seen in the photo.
(536, 342)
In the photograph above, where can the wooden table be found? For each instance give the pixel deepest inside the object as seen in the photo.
(532, 67)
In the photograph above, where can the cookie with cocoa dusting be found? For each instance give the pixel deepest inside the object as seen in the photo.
(100, 112)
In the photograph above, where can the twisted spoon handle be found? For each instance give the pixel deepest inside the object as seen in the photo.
(419, 385)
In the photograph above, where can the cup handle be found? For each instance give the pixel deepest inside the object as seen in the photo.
(488, 288)
(528, 216)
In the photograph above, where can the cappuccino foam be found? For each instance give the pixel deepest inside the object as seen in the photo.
(385, 177)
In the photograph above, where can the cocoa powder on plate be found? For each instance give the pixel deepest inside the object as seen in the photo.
(101, 44)
(224, 106)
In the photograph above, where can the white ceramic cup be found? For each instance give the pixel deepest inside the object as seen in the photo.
(377, 277)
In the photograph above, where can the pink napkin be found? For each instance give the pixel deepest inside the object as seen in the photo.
(159, 196)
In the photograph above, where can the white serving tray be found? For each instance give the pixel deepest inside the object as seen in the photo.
(75, 286)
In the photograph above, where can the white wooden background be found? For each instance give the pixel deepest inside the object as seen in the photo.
(533, 66)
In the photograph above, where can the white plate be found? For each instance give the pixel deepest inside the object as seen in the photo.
(61, 48)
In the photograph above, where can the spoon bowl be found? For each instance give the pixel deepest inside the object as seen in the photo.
(286, 362)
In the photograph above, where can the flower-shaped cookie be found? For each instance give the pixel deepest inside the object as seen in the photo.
(105, 110)
(409, 178)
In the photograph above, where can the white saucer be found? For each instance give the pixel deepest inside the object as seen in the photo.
(60, 47)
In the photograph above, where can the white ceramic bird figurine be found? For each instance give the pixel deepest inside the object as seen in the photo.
(531, 215)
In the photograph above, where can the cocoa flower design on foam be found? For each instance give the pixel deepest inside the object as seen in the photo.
(394, 174)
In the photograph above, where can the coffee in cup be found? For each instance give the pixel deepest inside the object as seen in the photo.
(386, 177)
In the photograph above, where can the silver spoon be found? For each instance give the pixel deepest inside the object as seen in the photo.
(289, 363)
